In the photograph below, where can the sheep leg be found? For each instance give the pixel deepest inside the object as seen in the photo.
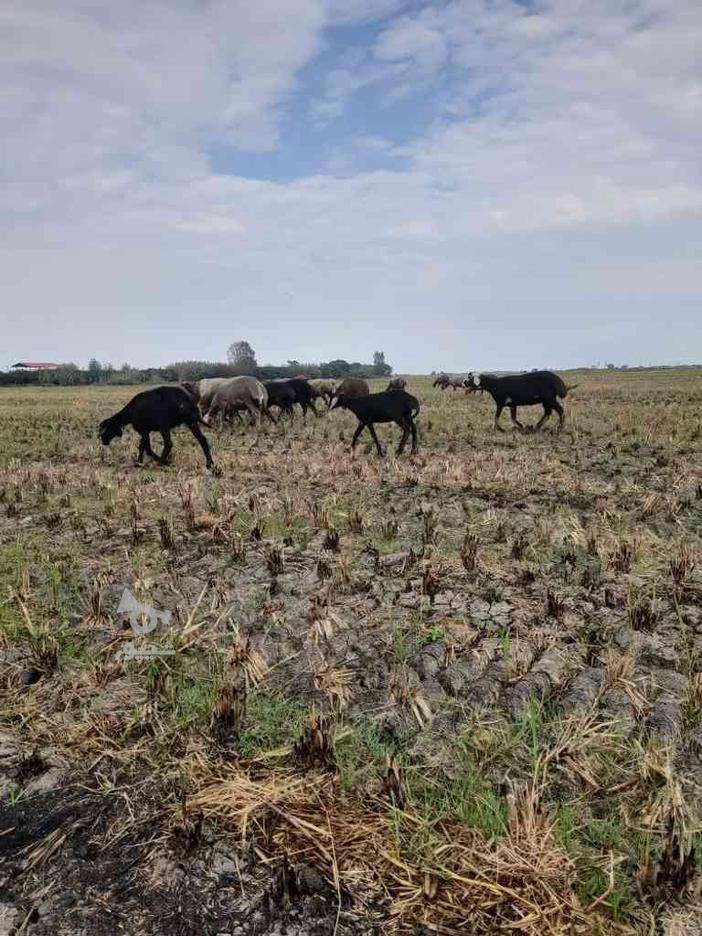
(314, 408)
(413, 430)
(359, 429)
(167, 446)
(561, 415)
(204, 445)
(371, 429)
(513, 414)
(143, 444)
(266, 412)
(500, 407)
(405, 433)
(212, 417)
(255, 416)
(548, 409)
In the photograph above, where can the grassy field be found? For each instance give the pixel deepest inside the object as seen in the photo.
(453, 693)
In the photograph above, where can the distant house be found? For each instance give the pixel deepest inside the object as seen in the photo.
(35, 365)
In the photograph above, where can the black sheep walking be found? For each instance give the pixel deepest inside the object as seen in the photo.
(157, 410)
(515, 390)
(390, 406)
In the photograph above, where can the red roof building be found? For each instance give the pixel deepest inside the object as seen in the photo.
(35, 365)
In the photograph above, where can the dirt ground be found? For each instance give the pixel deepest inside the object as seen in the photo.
(451, 693)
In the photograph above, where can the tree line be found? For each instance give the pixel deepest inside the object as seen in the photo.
(241, 359)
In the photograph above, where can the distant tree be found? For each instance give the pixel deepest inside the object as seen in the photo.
(336, 369)
(241, 355)
(68, 374)
(94, 370)
(380, 368)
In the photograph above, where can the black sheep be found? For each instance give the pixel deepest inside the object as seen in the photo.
(302, 392)
(515, 390)
(390, 406)
(304, 395)
(157, 410)
(282, 395)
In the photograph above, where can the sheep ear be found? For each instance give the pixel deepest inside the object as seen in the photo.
(334, 403)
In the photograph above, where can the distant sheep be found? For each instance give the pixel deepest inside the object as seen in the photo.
(515, 390)
(324, 389)
(237, 394)
(280, 395)
(390, 406)
(202, 391)
(444, 382)
(397, 383)
(303, 392)
(353, 387)
(158, 410)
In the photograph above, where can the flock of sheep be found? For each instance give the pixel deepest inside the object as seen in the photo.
(211, 401)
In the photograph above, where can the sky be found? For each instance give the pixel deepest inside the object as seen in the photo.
(462, 184)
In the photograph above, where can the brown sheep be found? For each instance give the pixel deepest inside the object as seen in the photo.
(352, 387)
(202, 391)
(239, 393)
(324, 389)
(397, 383)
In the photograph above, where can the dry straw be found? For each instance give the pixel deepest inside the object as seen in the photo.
(525, 884)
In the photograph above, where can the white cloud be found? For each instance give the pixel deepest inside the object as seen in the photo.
(344, 12)
(416, 39)
(116, 80)
(588, 115)
(561, 173)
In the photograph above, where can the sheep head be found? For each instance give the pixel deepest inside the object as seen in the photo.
(191, 388)
(109, 429)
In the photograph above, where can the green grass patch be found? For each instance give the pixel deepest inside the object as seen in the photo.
(466, 797)
(361, 753)
(594, 882)
(272, 721)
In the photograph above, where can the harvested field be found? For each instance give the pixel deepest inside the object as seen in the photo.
(453, 693)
